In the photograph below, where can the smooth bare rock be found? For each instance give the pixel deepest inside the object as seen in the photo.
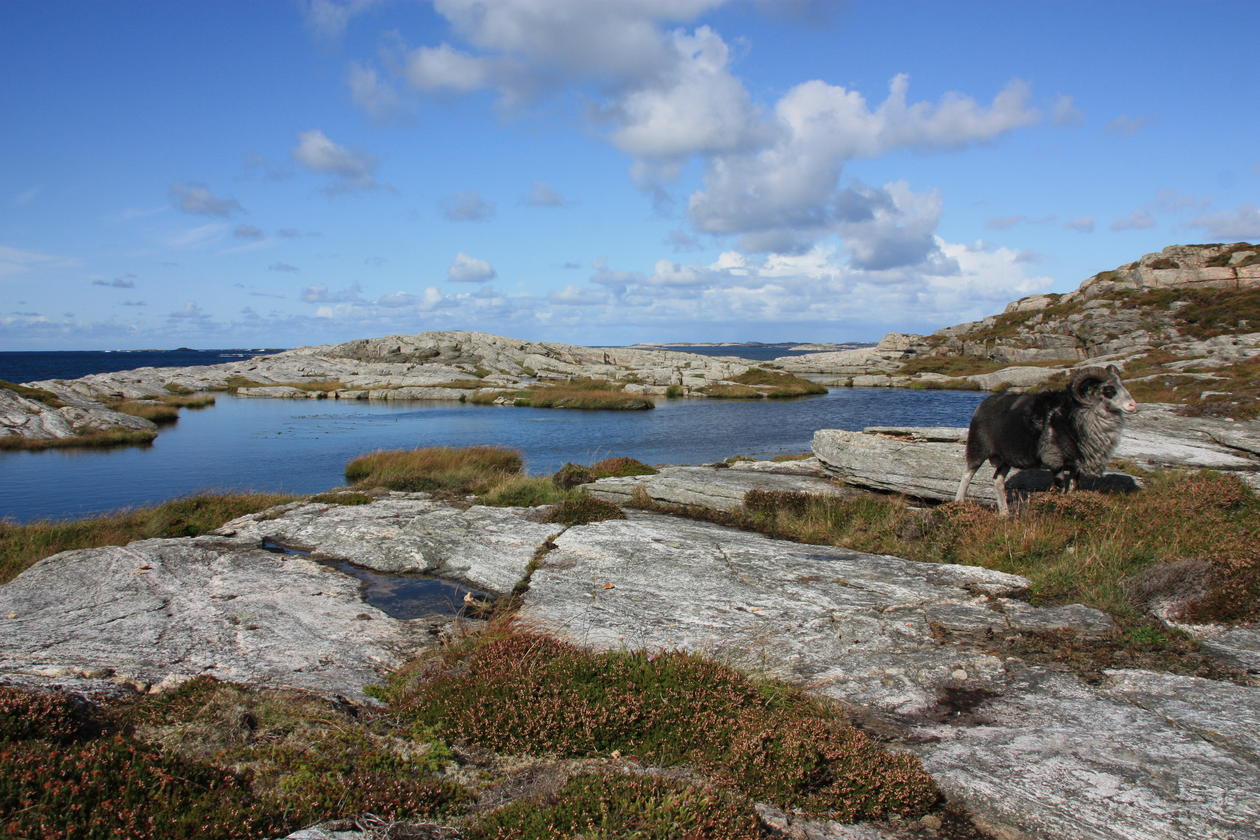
(709, 487)
(35, 420)
(928, 469)
(942, 434)
(1017, 376)
(1223, 713)
(1050, 757)
(488, 547)
(156, 612)
(854, 624)
(802, 466)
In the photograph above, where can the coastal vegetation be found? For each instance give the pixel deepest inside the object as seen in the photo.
(583, 394)
(86, 440)
(625, 743)
(22, 545)
(759, 383)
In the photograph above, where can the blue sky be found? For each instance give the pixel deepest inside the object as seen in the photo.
(219, 174)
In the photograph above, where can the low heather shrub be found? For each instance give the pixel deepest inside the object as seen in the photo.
(615, 805)
(532, 694)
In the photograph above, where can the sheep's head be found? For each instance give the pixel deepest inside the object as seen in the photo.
(1102, 386)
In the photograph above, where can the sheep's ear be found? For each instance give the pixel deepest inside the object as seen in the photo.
(1112, 369)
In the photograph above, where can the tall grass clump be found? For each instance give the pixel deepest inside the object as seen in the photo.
(439, 469)
(778, 385)
(22, 545)
(525, 693)
(85, 440)
(155, 412)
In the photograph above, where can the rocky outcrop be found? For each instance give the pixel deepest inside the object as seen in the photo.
(32, 419)
(1115, 315)
(1029, 751)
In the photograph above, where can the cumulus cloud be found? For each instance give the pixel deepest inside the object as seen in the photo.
(351, 170)
(446, 69)
(467, 206)
(466, 269)
(197, 199)
(1137, 220)
(1242, 224)
(790, 189)
(374, 95)
(329, 18)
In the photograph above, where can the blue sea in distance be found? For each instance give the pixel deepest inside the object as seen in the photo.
(302, 446)
(29, 366)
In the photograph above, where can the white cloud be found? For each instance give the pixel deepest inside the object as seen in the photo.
(446, 69)
(789, 190)
(1137, 220)
(697, 107)
(197, 199)
(1242, 224)
(127, 281)
(541, 194)
(370, 93)
(351, 169)
(282, 267)
(467, 206)
(1084, 224)
(1065, 112)
(329, 18)
(248, 232)
(466, 269)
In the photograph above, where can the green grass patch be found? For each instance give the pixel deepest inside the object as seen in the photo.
(524, 491)
(441, 470)
(22, 545)
(154, 412)
(777, 384)
(732, 392)
(342, 498)
(581, 394)
(188, 400)
(526, 693)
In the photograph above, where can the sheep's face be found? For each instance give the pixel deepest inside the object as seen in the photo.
(1104, 388)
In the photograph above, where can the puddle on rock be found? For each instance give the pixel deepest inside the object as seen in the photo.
(399, 595)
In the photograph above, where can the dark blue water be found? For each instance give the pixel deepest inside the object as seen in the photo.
(23, 366)
(302, 446)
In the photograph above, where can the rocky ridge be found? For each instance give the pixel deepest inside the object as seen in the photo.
(1184, 312)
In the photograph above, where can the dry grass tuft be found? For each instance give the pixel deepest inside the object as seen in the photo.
(440, 469)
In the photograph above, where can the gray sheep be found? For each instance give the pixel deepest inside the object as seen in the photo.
(1070, 432)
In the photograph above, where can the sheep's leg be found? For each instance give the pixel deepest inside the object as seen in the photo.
(999, 484)
(961, 495)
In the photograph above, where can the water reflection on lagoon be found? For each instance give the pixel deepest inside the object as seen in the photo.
(302, 446)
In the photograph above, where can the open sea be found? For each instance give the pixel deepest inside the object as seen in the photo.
(302, 446)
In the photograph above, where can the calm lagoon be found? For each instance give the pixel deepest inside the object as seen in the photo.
(302, 446)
